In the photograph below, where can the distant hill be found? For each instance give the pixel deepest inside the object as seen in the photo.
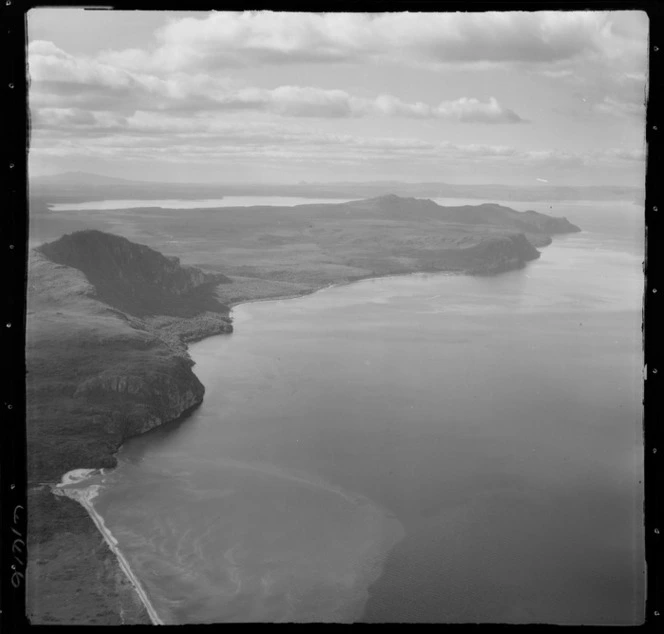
(80, 178)
(529, 221)
(84, 186)
(311, 245)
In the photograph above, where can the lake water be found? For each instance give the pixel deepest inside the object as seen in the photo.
(426, 448)
(202, 203)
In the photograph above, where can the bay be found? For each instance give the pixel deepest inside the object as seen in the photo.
(425, 448)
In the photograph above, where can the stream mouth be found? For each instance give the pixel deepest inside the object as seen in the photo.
(79, 485)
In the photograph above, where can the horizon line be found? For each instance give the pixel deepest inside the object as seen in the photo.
(537, 184)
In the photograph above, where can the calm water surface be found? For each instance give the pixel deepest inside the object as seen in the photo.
(202, 203)
(420, 448)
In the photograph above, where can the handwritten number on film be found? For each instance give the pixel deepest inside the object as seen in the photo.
(18, 546)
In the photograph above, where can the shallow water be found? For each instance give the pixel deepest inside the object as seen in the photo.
(418, 448)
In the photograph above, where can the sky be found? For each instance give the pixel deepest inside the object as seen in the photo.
(515, 98)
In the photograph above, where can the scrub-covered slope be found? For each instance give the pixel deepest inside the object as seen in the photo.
(135, 278)
(97, 372)
(96, 376)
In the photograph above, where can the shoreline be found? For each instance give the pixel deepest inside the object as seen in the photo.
(84, 497)
(279, 298)
(86, 500)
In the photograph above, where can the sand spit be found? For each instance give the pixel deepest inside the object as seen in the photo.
(84, 496)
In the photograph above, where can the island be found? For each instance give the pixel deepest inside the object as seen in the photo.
(112, 304)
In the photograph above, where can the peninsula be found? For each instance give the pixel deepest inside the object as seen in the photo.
(109, 317)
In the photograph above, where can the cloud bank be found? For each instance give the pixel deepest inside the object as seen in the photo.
(62, 79)
(188, 95)
(240, 39)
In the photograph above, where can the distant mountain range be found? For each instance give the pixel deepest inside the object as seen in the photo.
(81, 186)
(81, 178)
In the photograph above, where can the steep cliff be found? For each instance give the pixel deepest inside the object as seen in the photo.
(499, 254)
(106, 358)
(550, 225)
(97, 374)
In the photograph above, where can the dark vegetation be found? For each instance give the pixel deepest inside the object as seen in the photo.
(73, 577)
(278, 251)
(99, 373)
(135, 278)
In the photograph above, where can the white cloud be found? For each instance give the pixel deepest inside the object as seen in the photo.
(216, 88)
(557, 73)
(622, 154)
(62, 79)
(48, 63)
(607, 89)
(231, 39)
(464, 109)
(620, 108)
(158, 137)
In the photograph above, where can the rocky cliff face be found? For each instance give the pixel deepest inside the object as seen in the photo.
(549, 225)
(99, 374)
(144, 399)
(87, 394)
(491, 255)
(502, 254)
